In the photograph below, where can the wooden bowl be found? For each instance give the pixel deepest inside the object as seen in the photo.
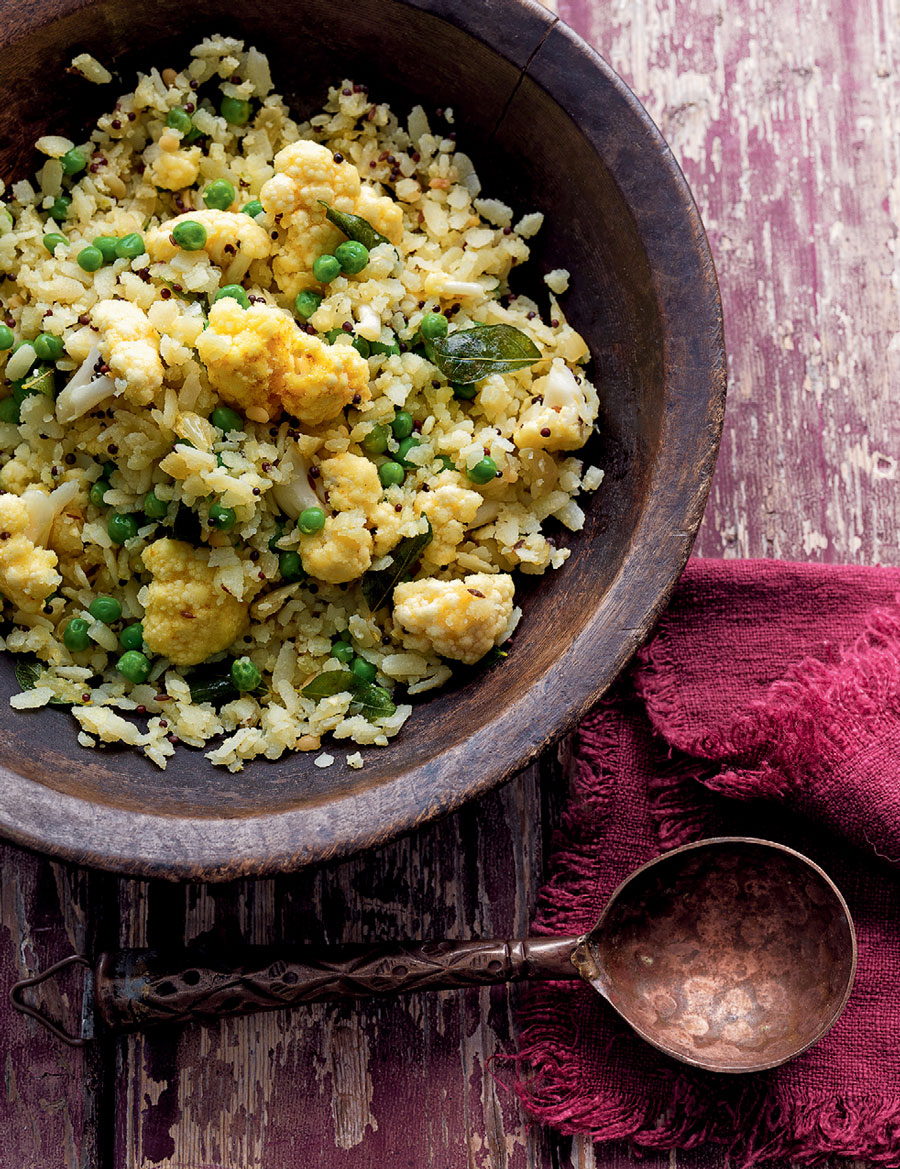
(551, 128)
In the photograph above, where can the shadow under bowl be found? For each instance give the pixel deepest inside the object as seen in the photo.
(550, 127)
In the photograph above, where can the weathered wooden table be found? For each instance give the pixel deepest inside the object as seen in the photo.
(785, 116)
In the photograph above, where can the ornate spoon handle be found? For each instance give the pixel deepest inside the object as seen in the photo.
(138, 988)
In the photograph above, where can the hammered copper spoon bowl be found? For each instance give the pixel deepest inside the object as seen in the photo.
(730, 954)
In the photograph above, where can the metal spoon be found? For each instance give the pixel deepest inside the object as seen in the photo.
(731, 954)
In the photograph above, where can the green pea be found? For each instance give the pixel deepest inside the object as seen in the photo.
(73, 161)
(106, 246)
(219, 195)
(364, 670)
(306, 303)
(391, 474)
(402, 426)
(311, 520)
(343, 651)
(376, 441)
(235, 110)
(75, 635)
(446, 462)
(245, 675)
(403, 450)
(464, 391)
(47, 347)
(433, 325)
(105, 609)
(221, 518)
(130, 246)
(52, 241)
(98, 492)
(484, 471)
(60, 208)
(179, 119)
(361, 345)
(121, 528)
(10, 411)
(106, 470)
(134, 666)
(352, 256)
(189, 235)
(226, 419)
(7, 337)
(290, 566)
(253, 208)
(233, 292)
(154, 507)
(132, 636)
(332, 335)
(89, 259)
(326, 268)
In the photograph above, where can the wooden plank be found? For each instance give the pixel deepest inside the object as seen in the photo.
(784, 117)
(404, 1081)
(52, 1110)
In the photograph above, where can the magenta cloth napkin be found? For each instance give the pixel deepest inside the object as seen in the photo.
(766, 704)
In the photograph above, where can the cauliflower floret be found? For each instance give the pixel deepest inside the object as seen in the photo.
(258, 360)
(27, 571)
(130, 346)
(563, 420)
(188, 617)
(306, 172)
(342, 551)
(351, 481)
(450, 508)
(173, 170)
(233, 241)
(459, 619)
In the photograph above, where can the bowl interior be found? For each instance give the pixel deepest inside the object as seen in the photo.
(612, 199)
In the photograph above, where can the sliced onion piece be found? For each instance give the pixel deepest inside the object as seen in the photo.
(295, 494)
(83, 391)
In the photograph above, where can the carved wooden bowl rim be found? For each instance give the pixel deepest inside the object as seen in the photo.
(229, 844)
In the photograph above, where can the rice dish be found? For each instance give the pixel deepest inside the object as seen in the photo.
(274, 432)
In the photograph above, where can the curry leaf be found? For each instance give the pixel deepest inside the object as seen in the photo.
(354, 226)
(368, 699)
(27, 672)
(468, 355)
(214, 688)
(378, 586)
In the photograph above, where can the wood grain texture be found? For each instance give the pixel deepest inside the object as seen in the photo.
(784, 116)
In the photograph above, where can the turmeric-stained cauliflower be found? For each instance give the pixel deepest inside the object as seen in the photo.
(233, 240)
(306, 172)
(27, 571)
(188, 617)
(450, 508)
(174, 169)
(258, 360)
(562, 417)
(129, 345)
(341, 552)
(351, 481)
(459, 619)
